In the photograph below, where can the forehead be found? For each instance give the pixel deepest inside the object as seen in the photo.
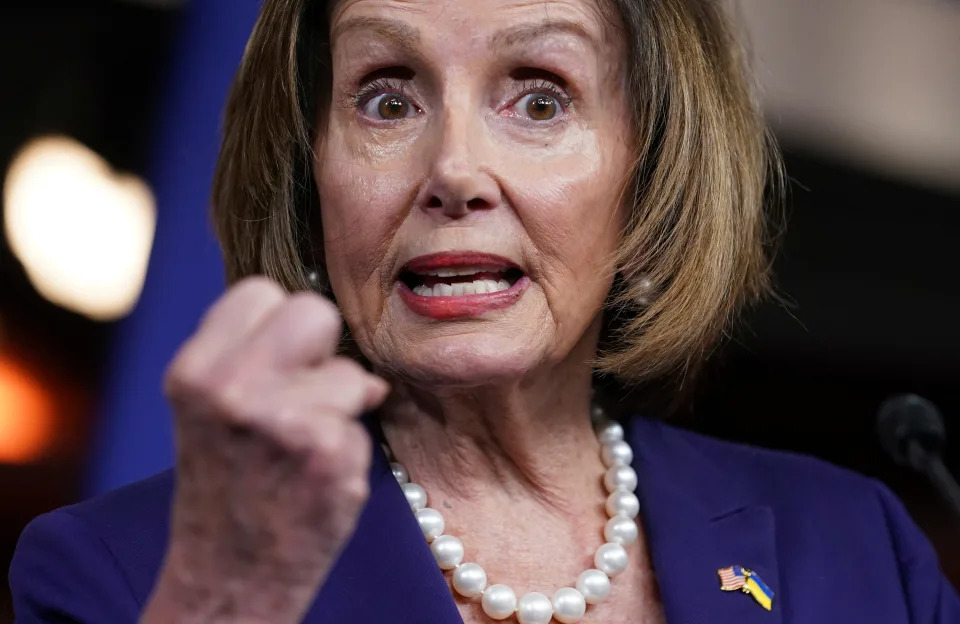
(491, 23)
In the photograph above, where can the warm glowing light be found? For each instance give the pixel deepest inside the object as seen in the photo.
(82, 231)
(26, 416)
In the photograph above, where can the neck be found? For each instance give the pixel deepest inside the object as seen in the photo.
(525, 437)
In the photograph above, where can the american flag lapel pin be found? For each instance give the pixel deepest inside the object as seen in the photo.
(737, 577)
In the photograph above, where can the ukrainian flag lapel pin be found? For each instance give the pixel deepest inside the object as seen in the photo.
(739, 578)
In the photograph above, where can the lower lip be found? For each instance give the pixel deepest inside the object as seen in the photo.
(442, 308)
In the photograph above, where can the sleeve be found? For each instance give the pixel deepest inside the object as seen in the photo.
(931, 599)
(62, 572)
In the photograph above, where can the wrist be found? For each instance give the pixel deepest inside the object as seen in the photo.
(184, 597)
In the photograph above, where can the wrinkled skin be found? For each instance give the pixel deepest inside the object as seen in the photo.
(455, 125)
(467, 167)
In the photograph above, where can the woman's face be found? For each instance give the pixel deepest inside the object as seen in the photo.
(469, 175)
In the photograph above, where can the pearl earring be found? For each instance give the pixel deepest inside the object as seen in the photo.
(644, 287)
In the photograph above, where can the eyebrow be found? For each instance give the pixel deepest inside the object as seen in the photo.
(399, 33)
(525, 33)
(407, 37)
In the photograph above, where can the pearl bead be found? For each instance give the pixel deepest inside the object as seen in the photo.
(621, 530)
(610, 432)
(499, 602)
(611, 559)
(617, 453)
(469, 580)
(416, 496)
(596, 413)
(448, 551)
(399, 473)
(534, 608)
(569, 605)
(623, 504)
(594, 585)
(620, 478)
(431, 523)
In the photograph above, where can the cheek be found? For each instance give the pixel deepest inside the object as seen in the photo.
(365, 196)
(360, 211)
(573, 216)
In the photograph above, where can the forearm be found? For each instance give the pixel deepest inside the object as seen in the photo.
(187, 595)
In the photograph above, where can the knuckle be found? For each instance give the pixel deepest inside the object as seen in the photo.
(243, 294)
(222, 394)
(345, 385)
(345, 370)
(352, 451)
(292, 427)
(329, 439)
(323, 315)
(355, 490)
(228, 397)
(257, 285)
(187, 373)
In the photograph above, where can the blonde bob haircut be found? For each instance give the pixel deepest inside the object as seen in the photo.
(695, 247)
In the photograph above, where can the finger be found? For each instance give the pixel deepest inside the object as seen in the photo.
(346, 443)
(332, 446)
(222, 329)
(303, 331)
(377, 392)
(338, 387)
(242, 308)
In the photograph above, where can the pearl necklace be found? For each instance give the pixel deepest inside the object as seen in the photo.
(569, 603)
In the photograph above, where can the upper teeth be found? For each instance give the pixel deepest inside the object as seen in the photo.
(478, 287)
(459, 271)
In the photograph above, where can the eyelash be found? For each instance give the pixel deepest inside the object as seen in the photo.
(542, 85)
(527, 86)
(376, 87)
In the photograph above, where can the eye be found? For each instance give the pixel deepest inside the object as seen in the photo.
(383, 95)
(538, 106)
(541, 98)
(389, 107)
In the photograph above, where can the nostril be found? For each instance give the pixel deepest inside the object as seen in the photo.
(434, 202)
(477, 204)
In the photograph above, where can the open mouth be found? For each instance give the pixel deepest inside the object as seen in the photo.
(456, 284)
(460, 281)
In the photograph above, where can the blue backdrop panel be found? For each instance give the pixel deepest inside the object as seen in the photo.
(185, 273)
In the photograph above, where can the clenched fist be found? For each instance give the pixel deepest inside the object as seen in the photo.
(271, 461)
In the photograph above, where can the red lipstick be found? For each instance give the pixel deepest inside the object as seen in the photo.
(443, 307)
(458, 259)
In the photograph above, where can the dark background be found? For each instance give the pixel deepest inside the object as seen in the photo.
(867, 264)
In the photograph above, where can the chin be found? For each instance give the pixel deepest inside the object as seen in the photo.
(468, 361)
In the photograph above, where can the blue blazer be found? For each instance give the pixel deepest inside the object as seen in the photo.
(834, 546)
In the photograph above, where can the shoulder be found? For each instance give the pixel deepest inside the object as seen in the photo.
(130, 510)
(763, 475)
(101, 553)
(828, 520)
(800, 489)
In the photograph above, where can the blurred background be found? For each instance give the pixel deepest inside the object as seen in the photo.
(108, 133)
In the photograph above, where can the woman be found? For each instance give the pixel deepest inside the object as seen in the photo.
(503, 198)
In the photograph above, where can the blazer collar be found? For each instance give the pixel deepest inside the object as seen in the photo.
(697, 519)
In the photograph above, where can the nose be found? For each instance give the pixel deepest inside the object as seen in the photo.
(459, 181)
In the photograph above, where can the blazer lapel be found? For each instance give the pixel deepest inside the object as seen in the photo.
(697, 520)
(386, 573)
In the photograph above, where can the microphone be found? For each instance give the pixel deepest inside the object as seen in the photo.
(913, 433)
